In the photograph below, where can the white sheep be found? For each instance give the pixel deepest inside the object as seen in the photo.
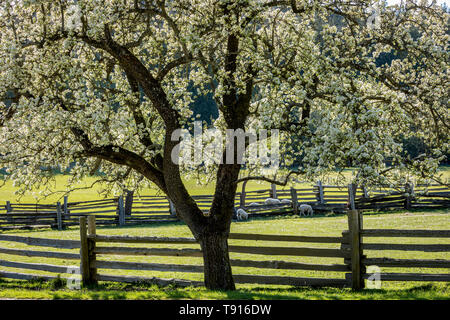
(286, 201)
(241, 214)
(305, 210)
(272, 201)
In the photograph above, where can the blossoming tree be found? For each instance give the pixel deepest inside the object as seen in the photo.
(103, 85)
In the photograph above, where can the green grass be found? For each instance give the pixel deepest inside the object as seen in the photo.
(114, 291)
(332, 225)
(7, 191)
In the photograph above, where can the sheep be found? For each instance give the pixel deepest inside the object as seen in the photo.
(241, 214)
(272, 201)
(305, 209)
(286, 201)
(253, 204)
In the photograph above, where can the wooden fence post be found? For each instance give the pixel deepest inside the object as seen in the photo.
(59, 217)
(351, 196)
(8, 207)
(8, 210)
(294, 200)
(66, 206)
(243, 194)
(91, 250)
(355, 225)
(84, 252)
(273, 191)
(242, 200)
(320, 194)
(129, 202)
(121, 211)
(364, 191)
(409, 189)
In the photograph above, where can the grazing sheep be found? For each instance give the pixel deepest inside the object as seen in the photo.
(286, 201)
(272, 201)
(253, 204)
(241, 214)
(305, 210)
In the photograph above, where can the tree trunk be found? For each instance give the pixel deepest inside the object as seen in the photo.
(217, 274)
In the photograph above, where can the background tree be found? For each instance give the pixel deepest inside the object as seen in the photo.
(104, 84)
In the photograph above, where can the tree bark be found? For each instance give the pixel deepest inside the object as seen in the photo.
(216, 260)
(213, 237)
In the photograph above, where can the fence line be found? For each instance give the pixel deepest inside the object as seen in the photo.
(91, 258)
(131, 209)
(360, 262)
(353, 251)
(38, 242)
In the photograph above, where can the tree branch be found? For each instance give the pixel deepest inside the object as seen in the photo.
(173, 64)
(266, 179)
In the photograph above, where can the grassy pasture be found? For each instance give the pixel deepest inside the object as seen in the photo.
(331, 225)
(7, 191)
(60, 181)
(317, 226)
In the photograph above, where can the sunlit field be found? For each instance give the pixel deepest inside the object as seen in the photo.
(7, 191)
(332, 225)
(324, 225)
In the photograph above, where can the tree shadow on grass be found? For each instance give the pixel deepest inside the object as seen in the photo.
(140, 291)
(420, 292)
(107, 295)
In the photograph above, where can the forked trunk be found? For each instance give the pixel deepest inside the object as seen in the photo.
(217, 266)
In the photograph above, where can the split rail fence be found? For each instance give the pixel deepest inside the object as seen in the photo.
(38, 250)
(129, 209)
(361, 262)
(97, 251)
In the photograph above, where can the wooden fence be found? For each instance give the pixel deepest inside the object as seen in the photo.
(130, 209)
(113, 211)
(340, 199)
(91, 261)
(360, 261)
(411, 197)
(32, 215)
(96, 252)
(40, 255)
